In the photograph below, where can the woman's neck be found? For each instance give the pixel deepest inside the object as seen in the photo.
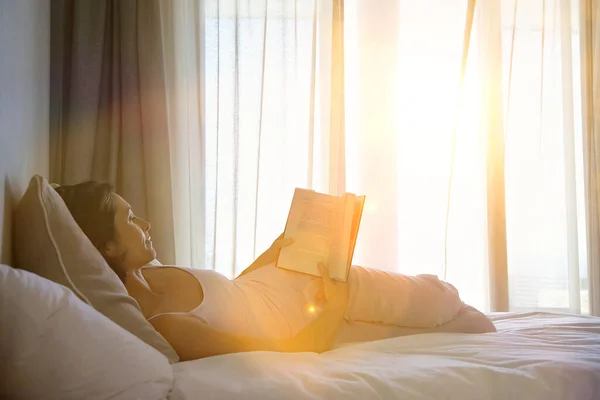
(136, 274)
(138, 288)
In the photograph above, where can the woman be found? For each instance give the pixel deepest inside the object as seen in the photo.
(202, 313)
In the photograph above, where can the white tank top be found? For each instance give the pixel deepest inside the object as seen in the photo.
(268, 302)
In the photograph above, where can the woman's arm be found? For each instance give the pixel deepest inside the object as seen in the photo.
(193, 338)
(269, 256)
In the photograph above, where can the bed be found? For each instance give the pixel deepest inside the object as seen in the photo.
(532, 356)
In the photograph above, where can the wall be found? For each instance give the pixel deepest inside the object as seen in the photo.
(24, 103)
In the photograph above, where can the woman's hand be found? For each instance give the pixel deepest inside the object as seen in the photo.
(334, 293)
(272, 253)
(269, 256)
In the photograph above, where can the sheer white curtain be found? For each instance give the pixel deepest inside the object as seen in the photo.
(544, 158)
(517, 156)
(255, 110)
(254, 113)
(405, 61)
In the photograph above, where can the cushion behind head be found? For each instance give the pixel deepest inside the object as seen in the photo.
(54, 346)
(48, 242)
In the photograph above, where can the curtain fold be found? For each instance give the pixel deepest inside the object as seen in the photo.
(337, 158)
(590, 93)
(570, 158)
(492, 125)
(109, 110)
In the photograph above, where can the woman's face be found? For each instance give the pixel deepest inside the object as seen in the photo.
(131, 247)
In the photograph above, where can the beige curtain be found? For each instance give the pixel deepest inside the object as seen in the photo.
(590, 83)
(108, 105)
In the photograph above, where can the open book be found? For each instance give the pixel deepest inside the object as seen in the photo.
(324, 229)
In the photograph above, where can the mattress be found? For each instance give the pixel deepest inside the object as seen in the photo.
(532, 356)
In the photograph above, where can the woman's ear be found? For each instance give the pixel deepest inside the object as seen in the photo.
(111, 250)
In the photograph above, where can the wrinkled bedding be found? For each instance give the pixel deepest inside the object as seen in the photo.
(532, 356)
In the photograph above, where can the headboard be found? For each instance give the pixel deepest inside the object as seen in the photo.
(24, 104)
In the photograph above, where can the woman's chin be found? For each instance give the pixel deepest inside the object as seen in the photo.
(152, 253)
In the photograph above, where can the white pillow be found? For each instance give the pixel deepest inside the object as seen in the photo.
(49, 243)
(54, 346)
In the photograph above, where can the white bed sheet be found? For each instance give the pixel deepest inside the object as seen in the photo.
(532, 356)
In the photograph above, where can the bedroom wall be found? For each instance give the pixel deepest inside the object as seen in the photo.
(24, 103)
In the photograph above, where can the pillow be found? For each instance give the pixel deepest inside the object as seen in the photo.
(49, 243)
(54, 346)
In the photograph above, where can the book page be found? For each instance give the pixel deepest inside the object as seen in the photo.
(315, 224)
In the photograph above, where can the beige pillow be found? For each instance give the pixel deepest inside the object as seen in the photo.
(54, 346)
(48, 242)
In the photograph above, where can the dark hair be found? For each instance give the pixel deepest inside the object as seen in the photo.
(92, 206)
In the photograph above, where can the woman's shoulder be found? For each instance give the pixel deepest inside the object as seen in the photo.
(164, 278)
(175, 270)
(156, 265)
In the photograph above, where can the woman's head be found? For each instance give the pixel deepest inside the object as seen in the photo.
(108, 221)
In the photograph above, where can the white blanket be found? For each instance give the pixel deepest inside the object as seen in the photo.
(532, 356)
